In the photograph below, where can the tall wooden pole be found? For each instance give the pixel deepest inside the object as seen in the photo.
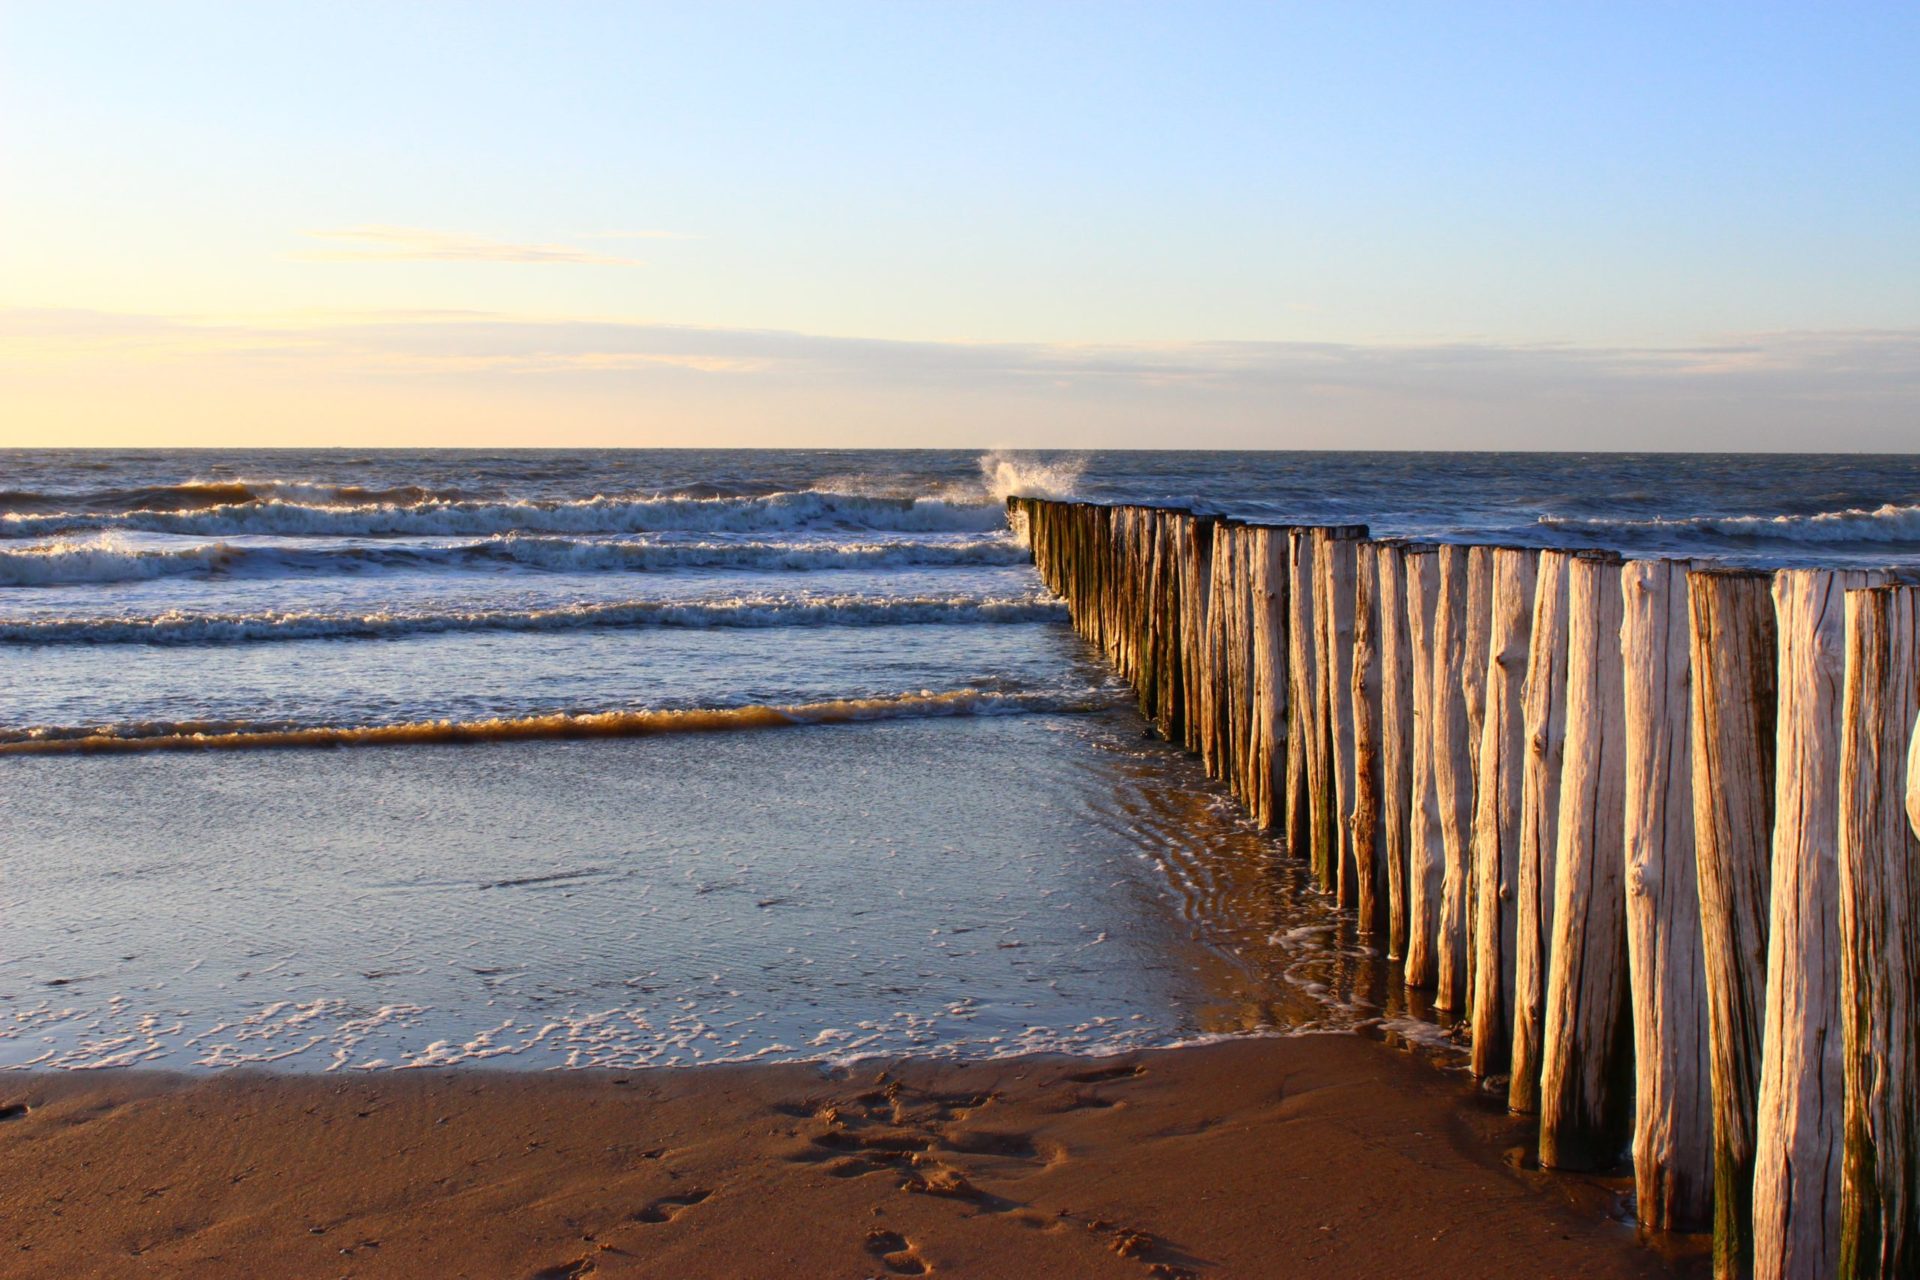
(1497, 804)
(1426, 847)
(1673, 1109)
(1880, 937)
(1396, 737)
(1586, 1077)
(1545, 725)
(1453, 776)
(1796, 1181)
(1733, 655)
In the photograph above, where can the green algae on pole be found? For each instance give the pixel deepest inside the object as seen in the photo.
(1880, 936)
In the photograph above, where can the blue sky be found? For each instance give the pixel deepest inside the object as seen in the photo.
(269, 223)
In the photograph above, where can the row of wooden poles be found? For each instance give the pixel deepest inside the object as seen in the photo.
(1643, 826)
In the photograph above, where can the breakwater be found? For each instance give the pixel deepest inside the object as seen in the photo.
(1645, 827)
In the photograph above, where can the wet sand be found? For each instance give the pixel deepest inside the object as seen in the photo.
(1317, 1156)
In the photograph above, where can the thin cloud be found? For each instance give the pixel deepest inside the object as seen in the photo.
(636, 235)
(419, 244)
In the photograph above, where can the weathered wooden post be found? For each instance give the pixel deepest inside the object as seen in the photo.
(1303, 674)
(1453, 777)
(1426, 846)
(1880, 936)
(1497, 804)
(1733, 655)
(1673, 1127)
(1796, 1179)
(1544, 722)
(1586, 1080)
(1270, 673)
(1335, 558)
(1396, 737)
(1370, 866)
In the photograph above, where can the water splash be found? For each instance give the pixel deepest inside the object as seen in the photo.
(1010, 474)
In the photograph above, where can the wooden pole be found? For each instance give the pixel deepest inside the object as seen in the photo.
(1880, 937)
(1585, 1084)
(1453, 776)
(1304, 692)
(1473, 684)
(1396, 737)
(1497, 804)
(1673, 1128)
(1270, 673)
(1796, 1179)
(1426, 847)
(1335, 560)
(1368, 774)
(1544, 722)
(1733, 656)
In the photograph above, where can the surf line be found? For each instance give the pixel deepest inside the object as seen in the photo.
(559, 725)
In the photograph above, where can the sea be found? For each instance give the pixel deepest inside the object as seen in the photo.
(357, 761)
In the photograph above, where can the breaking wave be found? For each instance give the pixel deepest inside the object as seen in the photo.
(239, 735)
(181, 627)
(456, 517)
(108, 557)
(1887, 523)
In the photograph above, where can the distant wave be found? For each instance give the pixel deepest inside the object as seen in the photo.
(108, 557)
(1887, 523)
(179, 627)
(474, 518)
(232, 735)
(196, 494)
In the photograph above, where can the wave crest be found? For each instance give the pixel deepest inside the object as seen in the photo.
(109, 557)
(1889, 522)
(600, 514)
(241, 735)
(181, 627)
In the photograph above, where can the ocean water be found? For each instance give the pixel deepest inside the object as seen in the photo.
(348, 761)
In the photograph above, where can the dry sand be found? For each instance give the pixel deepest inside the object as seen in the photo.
(1318, 1156)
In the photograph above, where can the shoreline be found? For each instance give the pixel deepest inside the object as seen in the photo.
(1268, 1156)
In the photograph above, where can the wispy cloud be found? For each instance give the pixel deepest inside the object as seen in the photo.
(635, 235)
(420, 244)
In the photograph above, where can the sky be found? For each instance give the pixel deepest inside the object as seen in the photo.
(1465, 225)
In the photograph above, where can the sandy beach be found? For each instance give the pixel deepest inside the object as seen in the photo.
(1312, 1156)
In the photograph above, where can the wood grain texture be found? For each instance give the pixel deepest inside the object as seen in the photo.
(1673, 1109)
(1880, 937)
(1501, 767)
(1544, 718)
(1304, 688)
(1426, 845)
(1796, 1181)
(1586, 1076)
(1396, 738)
(1733, 655)
(1453, 776)
(1335, 566)
(1364, 822)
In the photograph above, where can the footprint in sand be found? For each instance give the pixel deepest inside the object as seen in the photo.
(667, 1208)
(896, 1251)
